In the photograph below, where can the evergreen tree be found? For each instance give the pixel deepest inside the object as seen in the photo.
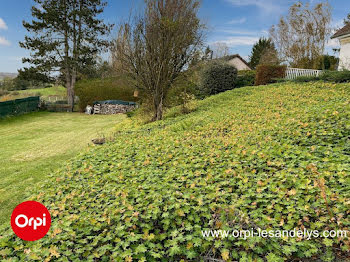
(66, 36)
(263, 48)
(32, 75)
(208, 54)
(347, 20)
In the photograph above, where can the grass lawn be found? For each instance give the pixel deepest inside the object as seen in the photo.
(33, 145)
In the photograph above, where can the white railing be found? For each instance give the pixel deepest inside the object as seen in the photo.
(293, 73)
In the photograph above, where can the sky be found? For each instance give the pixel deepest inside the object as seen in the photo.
(238, 23)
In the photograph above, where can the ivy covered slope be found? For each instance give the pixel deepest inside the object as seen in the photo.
(273, 157)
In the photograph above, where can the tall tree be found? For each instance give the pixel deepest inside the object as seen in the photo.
(66, 35)
(158, 45)
(301, 36)
(31, 74)
(347, 20)
(208, 54)
(264, 51)
(327, 62)
(220, 49)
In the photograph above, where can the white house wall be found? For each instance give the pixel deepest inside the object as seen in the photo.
(239, 64)
(344, 55)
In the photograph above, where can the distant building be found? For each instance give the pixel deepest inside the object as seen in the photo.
(237, 61)
(343, 35)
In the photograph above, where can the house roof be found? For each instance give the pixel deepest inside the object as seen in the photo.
(230, 57)
(343, 31)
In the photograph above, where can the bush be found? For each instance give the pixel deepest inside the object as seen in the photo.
(266, 74)
(217, 77)
(305, 79)
(245, 78)
(91, 90)
(175, 95)
(336, 76)
(4, 92)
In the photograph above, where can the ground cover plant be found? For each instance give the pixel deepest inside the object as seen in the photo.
(273, 157)
(34, 145)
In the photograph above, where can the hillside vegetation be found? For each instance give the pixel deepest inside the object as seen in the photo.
(273, 157)
(44, 93)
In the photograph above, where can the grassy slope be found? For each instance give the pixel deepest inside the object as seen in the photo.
(59, 91)
(50, 91)
(253, 155)
(35, 144)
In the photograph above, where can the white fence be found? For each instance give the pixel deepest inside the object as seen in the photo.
(293, 73)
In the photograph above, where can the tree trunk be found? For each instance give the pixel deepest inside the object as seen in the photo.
(70, 94)
(69, 86)
(158, 108)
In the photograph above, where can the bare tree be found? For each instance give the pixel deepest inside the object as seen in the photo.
(220, 49)
(301, 36)
(158, 45)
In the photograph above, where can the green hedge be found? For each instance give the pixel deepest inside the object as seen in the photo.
(327, 76)
(266, 74)
(305, 79)
(116, 88)
(217, 77)
(245, 78)
(336, 76)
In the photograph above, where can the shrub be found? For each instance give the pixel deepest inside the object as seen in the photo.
(3, 92)
(305, 79)
(336, 76)
(91, 90)
(327, 76)
(245, 78)
(179, 91)
(188, 83)
(217, 77)
(5, 98)
(266, 74)
(281, 80)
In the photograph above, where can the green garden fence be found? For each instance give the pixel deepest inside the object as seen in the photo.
(19, 106)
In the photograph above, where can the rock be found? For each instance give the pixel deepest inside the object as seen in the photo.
(99, 141)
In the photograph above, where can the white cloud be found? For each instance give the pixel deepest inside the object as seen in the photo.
(4, 41)
(268, 6)
(241, 32)
(3, 24)
(234, 41)
(237, 21)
